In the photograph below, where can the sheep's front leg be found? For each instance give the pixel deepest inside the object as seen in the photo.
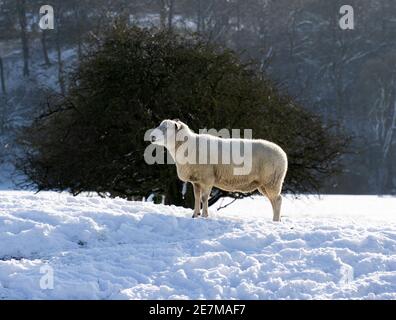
(197, 198)
(205, 198)
(276, 203)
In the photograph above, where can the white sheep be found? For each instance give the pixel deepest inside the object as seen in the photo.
(204, 160)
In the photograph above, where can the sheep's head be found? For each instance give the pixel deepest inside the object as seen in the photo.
(167, 131)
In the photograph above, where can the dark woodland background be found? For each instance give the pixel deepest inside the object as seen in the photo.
(347, 77)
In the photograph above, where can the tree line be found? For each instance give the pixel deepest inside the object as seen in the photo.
(343, 76)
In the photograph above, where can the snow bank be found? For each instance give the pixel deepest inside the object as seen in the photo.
(336, 248)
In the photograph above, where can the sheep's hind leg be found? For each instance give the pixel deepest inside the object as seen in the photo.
(197, 198)
(276, 202)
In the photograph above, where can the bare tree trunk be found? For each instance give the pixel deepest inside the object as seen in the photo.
(80, 16)
(79, 39)
(44, 46)
(171, 9)
(60, 64)
(79, 47)
(2, 80)
(386, 151)
(238, 14)
(162, 13)
(199, 16)
(389, 134)
(21, 9)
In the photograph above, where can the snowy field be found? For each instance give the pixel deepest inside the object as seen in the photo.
(337, 247)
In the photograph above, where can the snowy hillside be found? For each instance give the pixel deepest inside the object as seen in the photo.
(335, 248)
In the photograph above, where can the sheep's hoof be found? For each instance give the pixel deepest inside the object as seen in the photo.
(196, 215)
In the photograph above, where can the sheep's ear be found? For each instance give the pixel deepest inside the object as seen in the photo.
(178, 124)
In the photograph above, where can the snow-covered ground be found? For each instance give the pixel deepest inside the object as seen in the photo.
(336, 247)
